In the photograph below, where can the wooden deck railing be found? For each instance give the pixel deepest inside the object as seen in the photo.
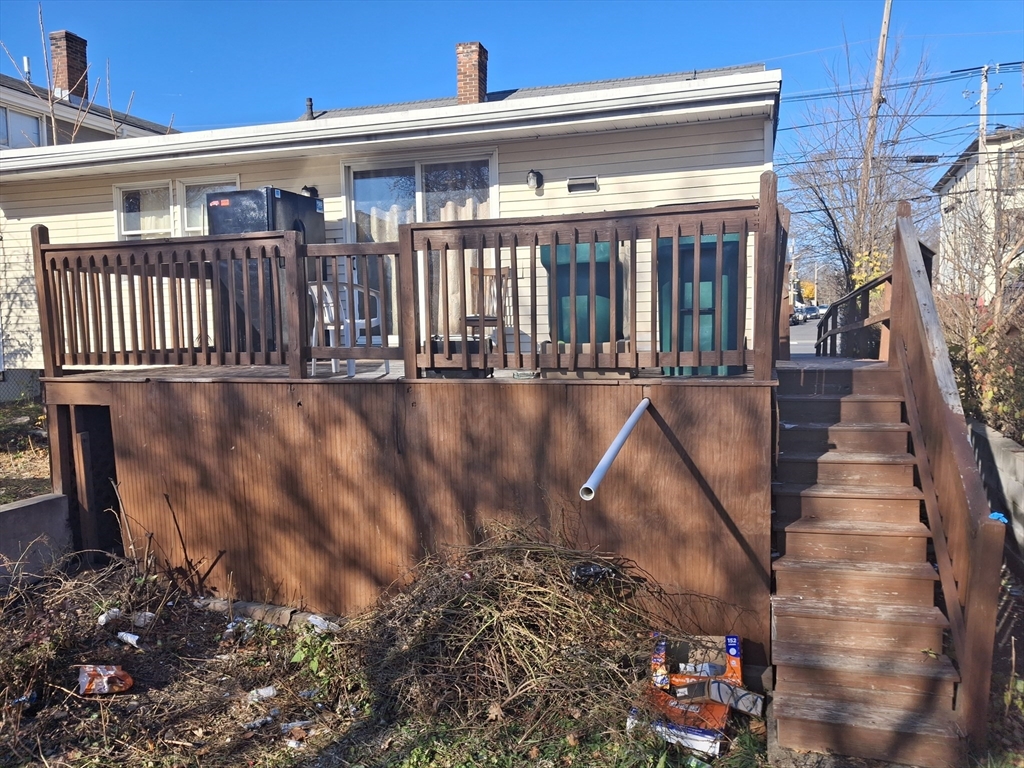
(858, 306)
(355, 314)
(662, 288)
(968, 544)
(600, 291)
(189, 301)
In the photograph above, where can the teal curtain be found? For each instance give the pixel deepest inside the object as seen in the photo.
(708, 295)
(559, 293)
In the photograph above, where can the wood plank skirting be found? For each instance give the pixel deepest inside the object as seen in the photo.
(323, 495)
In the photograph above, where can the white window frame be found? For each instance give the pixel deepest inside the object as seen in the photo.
(43, 136)
(176, 196)
(178, 207)
(417, 160)
(119, 189)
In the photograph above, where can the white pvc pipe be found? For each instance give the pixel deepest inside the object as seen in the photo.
(589, 488)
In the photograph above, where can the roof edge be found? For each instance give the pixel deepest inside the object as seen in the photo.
(753, 89)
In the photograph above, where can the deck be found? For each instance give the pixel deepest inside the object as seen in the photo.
(315, 419)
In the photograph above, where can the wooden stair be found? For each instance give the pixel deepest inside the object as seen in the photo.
(857, 637)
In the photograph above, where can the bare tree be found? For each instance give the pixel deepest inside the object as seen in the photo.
(979, 284)
(841, 229)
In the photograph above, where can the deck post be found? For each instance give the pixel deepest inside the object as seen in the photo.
(785, 310)
(294, 254)
(58, 417)
(896, 291)
(765, 277)
(41, 237)
(980, 612)
(781, 351)
(407, 300)
(85, 492)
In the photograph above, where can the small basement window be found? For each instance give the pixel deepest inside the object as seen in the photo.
(580, 184)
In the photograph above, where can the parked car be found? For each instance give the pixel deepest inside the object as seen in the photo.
(800, 312)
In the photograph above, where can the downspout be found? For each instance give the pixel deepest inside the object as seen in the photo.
(589, 488)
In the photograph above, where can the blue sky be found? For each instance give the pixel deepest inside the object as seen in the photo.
(220, 63)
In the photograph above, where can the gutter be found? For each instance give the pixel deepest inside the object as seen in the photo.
(695, 98)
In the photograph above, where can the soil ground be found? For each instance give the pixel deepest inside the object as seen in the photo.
(24, 458)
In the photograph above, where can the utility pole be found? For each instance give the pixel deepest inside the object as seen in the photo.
(982, 172)
(869, 144)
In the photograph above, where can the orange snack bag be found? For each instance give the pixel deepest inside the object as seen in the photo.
(94, 678)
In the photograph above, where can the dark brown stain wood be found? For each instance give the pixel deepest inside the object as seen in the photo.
(973, 541)
(870, 730)
(765, 279)
(44, 293)
(325, 494)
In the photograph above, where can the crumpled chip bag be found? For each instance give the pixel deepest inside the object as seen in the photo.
(93, 678)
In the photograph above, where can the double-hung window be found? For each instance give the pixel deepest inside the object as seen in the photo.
(166, 208)
(18, 129)
(145, 212)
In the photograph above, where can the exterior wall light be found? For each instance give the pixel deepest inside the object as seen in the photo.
(534, 179)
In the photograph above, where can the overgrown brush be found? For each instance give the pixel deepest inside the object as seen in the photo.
(505, 632)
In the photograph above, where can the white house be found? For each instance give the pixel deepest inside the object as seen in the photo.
(608, 145)
(982, 202)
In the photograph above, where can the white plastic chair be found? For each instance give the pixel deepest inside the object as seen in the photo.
(324, 313)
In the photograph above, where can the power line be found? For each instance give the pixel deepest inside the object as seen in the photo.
(851, 89)
(893, 116)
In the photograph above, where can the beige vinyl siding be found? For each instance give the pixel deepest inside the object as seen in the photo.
(74, 211)
(704, 161)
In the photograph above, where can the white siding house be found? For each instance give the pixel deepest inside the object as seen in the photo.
(626, 144)
(982, 203)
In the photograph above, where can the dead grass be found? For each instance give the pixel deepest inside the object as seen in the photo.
(24, 456)
(189, 701)
(493, 655)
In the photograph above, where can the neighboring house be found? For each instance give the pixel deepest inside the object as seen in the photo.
(30, 117)
(610, 145)
(982, 202)
(25, 106)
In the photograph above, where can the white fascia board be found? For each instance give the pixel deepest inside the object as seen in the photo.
(612, 108)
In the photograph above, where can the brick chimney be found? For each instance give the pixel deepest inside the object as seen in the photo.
(471, 71)
(67, 52)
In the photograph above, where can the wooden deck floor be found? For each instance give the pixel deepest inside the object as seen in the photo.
(813, 361)
(369, 371)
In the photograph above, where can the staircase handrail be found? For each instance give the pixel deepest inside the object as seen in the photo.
(832, 314)
(959, 514)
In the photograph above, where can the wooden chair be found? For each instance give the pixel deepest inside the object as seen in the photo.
(496, 311)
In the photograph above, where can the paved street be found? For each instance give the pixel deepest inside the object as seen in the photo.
(802, 337)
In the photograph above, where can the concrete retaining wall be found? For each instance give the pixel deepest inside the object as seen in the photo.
(1002, 466)
(33, 533)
